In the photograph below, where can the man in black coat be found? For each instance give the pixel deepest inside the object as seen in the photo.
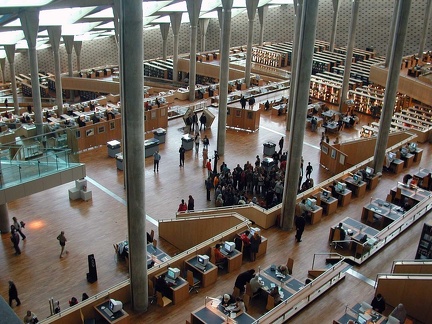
(182, 155)
(300, 223)
(13, 294)
(243, 278)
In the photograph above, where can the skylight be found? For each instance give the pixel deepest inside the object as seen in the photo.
(24, 3)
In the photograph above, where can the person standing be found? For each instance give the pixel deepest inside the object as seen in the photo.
(206, 142)
(243, 102)
(13, 294)
(156, 159)
(209, 167)
(309, 170)
(182, 155)
(300, 224)
(62, 240)
(205, 157)
(251, 102)
(15, 240)
(208, 184)
(182, 207)
(194, 121)
(30, 318)
(197, 142)
(203, 121)
(191, 203)
(378, 303)
(281, 143)
(18, 227)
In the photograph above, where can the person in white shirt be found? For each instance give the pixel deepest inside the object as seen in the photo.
(255, 284)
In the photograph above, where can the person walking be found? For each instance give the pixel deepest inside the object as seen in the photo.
(203, 121)
(197, 142)
(15, 240)
(156, 159)
(281, 143)
(209, 167)
(13, 294)
(300, 223)
(206, 142)
(18, 226)
(182, 155)
(62, 240)
(309, 170)
(194, 121)
(191, 203)
(208, 184)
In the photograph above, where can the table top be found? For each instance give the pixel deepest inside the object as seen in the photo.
(269, 283)
(356, 226)
(413, 193)
(213, 315)
(350, 180)
(328, 199)
(385, 209)
(194, 262)
(114, 317)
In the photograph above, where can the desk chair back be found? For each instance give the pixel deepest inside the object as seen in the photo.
(152, 235)
(162, 300)
(236, 292)
(249, 291)
(88, 320)
(336, 238)
(398, 195)
(290, 264)
(155, 243)
(192, 281)
(212, 256)
(246, 301)
(238, 243)
(389, 198)
(270, 302)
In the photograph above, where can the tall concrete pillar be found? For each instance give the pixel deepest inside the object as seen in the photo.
(392, 82)
(69, 40)
(251, 7)
(349, 54)
(193, 7)
(30, 25)
(77, 47)
(164, 29)
(116, 12)
(336, 5)
(203, 25)
(54, 33)
(10, 54)
(262, 15)
(2, 67)
(131, 36)
(301, 96)
(428, 13)
(224, 75)
(392, 27)
(175, 18)
(298, 7)
(4, 219)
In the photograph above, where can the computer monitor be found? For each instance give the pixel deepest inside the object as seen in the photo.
(115, 305)
(412, 147)
(369, 171)
(229, 246)
(362, 319)
(325, 193)
(356, 178)
(253, 230)
(310, 202)
(173, 273)
(340, 186)
(392, 320)
(391, 156)
(404, 151)
(203, 260)
(364, 307)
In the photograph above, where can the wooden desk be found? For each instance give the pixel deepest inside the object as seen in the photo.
(213, 313)
(415, 195)
(344, 197)
(316, 214)
(262, 249)
(408, 160)
(120, 317)
(396, 165)
(423, 176)
(235, 260)
(208, 276)
(418, 155)
(290, 283)
(387, 212)
(358, 188)
(329, 204)
(180, 290)
(372, 182)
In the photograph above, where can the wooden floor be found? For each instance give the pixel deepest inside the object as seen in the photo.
(92, 227)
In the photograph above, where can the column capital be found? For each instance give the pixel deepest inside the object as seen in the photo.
(193, 8)
(54, 34)
(69, 42)
(164, 29)
(251, 7)
(30, 25)
(77, 47)
(10, 53)
(175, 19)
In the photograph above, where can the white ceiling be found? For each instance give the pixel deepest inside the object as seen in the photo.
(89, 19)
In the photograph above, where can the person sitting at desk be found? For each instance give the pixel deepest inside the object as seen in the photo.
(227, 299)
(267, 105)
(242, 278)
(95, 119)
(400, 313)
(221, 260)
(378, 303)
(342, 231)
(162, 286)
(81, 122)
(406, 179)
(283, 269)
(240, 306)
(274, 292)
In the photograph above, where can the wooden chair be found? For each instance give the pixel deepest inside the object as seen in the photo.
(249, 291)
(192, 281)
(398, 195)
(212, 256)
(290, 264)
(152, 292)
(88, 320)
(162, 300)
(236, 292)
(246, 301)
(154, 243)
(270, 302)
(374, 218)
(336, 237)
(389, 198)
(152, 235)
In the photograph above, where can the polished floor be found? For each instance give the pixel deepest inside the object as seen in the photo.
(92, 227)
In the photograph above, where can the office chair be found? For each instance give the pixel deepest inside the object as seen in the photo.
(192, 281)
(162, 300)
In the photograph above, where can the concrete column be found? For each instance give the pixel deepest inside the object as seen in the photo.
(69, 40)
(10, 54)
(193, 7)
(4, 219)
(220, 20)
(349, 54)
(164, 29)
(295, 144)
(392, 27)
(115, 8)
(77, 47)
(262, 15)
(251, 6)
(224, 75)
(336, 5)
(30, 25)
(392, 83)
(2, 66)
(175, 18)
(131, 36)
(203, 25)
(54, 33)
(298, 7)
(428, 13)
